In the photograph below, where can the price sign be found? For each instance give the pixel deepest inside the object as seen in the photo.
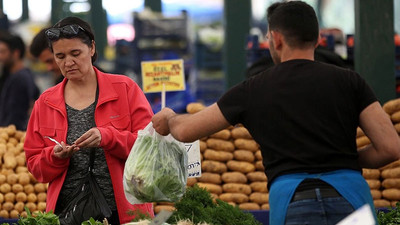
(194, 163)
(168, 73)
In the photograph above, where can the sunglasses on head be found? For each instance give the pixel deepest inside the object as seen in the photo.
(67, 31)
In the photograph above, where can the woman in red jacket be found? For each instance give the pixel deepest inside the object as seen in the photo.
(88, 109)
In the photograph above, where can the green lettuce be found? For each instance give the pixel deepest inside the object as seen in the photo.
(156, 170)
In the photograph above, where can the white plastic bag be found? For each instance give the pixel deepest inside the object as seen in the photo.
(156, 168)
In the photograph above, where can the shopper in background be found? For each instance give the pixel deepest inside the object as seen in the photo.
(39, 48)
(88, 109)
(18, 89)
(304, 114)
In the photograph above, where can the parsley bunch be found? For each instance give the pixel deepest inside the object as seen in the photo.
(198, 206)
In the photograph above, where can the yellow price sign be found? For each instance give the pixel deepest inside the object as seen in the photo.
(170, 73)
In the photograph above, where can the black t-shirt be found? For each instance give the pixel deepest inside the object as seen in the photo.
(304, 114)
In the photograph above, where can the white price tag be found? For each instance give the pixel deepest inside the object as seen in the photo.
(194, 163)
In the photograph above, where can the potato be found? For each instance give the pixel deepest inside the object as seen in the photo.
(21, 169)
(14, 214)
(203, 146)
(244, 155)
(240, 132)
(374, 183)
(5, 188)
(391, 165)
(246, 144)
(190, 182)
(221, 156)
(234, 177)
(371, 173)
(12, 178)
(397, 127)
(244, 167)
(234, 197)
(19, 206)
(395, 117)
(249, 206)
(221, 145)
(265, 206)
(381, 203)
(213, 188)
(32, 178)
(21, 197)
(39, 187)
(29, 189)
(9, 197)
(391, 106)
(194, 107)
(236, 188)
(259, 186)
(41, 197)
(213, 166)
(376, 194)
(391, 183)
(9, 160)
(3, 179)
(31, 206)
(21, 160)
(360, 132)
(259, 198)
(258, 155)
(362, 141)
(224, 134)
(256, 176)
(24, 178)
(4, 214)
(8, 206)
(1, 198)
(391, 194)
(41, 206)
(213, 178)
(31, 197)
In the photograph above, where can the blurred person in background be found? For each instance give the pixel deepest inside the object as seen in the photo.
(40, 49)
(88, 110)
(18, 89)
(304, 115)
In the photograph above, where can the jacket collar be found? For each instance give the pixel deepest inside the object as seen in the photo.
(106, 91)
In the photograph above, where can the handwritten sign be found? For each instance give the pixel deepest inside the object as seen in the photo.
(170, 73)
(194, 163)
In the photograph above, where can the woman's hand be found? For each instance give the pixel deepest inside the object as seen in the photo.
(64, 151)
(160, 121)
(90, 139)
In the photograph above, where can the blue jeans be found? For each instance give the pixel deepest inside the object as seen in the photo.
(320, 211)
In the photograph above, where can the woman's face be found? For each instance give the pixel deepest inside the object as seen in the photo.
(73, 57)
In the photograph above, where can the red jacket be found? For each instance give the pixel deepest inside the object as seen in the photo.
(121, 111)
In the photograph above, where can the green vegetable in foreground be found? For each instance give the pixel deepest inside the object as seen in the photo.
(198, 206)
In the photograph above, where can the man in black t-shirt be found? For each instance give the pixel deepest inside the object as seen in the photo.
(304, 115)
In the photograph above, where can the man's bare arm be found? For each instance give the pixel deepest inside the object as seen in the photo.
(385, 142)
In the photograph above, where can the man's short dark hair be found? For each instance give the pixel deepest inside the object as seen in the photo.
(14, 42)
(296, 20)
(39, 43)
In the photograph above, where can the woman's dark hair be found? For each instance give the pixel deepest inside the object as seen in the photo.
(296, 20)
(86, 35)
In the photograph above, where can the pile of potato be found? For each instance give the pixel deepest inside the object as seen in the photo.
(384, 182)
(232, 168)
(18, 188)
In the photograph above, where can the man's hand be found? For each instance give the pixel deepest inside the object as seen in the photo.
(160, 121)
